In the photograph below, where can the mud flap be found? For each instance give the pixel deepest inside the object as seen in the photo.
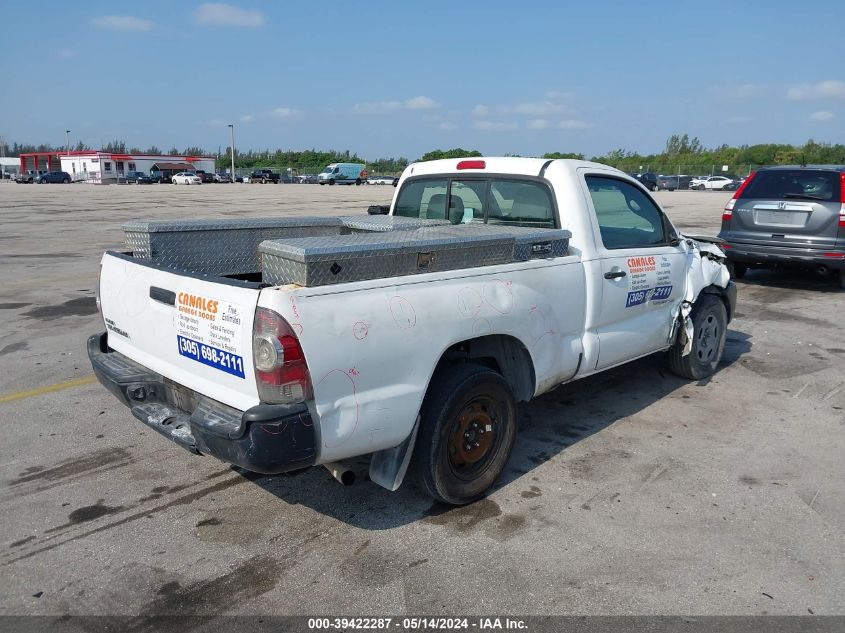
(388, 467)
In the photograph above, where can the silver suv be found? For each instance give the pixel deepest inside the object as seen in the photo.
(788, 216)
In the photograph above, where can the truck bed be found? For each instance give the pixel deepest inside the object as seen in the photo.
(316, 251)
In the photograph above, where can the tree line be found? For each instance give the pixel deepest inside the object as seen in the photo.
(680, 153)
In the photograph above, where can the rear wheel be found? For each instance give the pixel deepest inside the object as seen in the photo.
(66, 181)
(467, 432)
(709, 319)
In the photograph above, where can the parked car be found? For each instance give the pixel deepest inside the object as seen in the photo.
(787, 216)
(54, 178)
(205, 177)
(671, 183)
(309, 179)
(26, 177)
(291, 179)
(159, 177)
(380, 180)
(222, 178)
(186, 178)
(648, 179)
(138, 177)
(712, 183)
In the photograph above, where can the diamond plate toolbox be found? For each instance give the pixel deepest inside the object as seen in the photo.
(381, 223)
(320, 261)
(529, 242)
(218, 246)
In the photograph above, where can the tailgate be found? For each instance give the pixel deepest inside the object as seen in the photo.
(195, 331)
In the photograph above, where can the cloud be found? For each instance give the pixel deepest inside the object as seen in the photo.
(822, 115)
(65, 53)
(829, 89)
(495, 126)
(537, 124)
(420, 103)
(481, 110)
(219, 14)
(536, 108)
(574, 124)
(285, 113)
(247, 118)
(378, 107)
(122, 23)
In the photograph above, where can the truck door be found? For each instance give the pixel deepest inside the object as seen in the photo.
(642, 271)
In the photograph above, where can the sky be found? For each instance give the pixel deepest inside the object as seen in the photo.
(397, 79)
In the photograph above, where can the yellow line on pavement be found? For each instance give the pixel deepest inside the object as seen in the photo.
(69, 384)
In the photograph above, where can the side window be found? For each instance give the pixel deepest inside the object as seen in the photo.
(131, 166)
(107, 166)
(626, 217)
(520, 202)
(424, 199)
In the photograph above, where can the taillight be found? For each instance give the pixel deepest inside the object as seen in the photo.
(842, 200)
(472, 164)
(729, 210)
(280, 369)
(729, 207)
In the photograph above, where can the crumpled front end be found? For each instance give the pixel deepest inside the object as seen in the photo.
(706, 272)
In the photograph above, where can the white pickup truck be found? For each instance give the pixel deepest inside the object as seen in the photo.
(498, 279)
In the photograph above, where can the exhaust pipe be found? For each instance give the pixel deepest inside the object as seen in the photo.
(342, 472)
(822, 270)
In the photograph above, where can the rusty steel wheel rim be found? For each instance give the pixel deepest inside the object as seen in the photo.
(472, 438)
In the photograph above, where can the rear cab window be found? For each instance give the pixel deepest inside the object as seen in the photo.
(461, 200)
(799, 184)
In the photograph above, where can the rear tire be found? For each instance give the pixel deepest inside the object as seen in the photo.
(467, 432)
(710, 319)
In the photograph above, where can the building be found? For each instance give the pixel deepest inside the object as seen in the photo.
(8, 166)
(101, 167)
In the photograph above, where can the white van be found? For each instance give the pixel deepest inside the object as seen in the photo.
(342, 174)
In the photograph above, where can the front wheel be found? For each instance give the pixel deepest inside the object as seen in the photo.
(710, 324)
(467, 432)
(701, 187)
(331, 182)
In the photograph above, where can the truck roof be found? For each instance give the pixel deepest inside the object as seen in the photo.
(498, 165)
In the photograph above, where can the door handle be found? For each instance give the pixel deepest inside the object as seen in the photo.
(615, 274)
(162, 295)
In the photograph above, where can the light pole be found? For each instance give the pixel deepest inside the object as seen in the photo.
(67, 142)
(232, 130)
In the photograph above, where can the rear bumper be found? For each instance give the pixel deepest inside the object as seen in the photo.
(266, 439)
(784, 256)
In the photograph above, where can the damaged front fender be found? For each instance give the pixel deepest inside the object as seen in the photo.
(706, 270)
